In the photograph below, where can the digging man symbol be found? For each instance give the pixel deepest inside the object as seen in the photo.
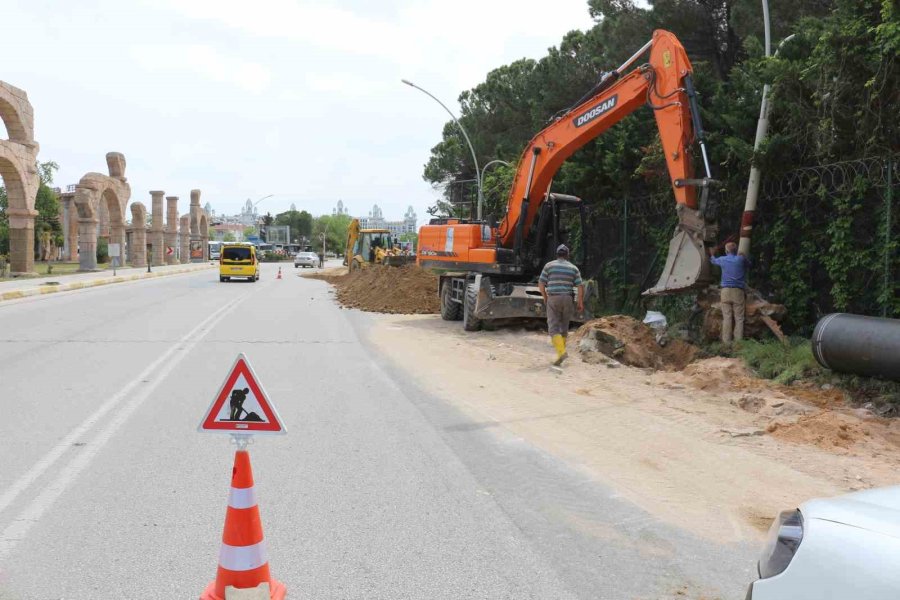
(237, 403)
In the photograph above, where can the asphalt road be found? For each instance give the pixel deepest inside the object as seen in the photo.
(379, 490)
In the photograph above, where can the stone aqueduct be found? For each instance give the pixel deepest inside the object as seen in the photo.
(96, 209)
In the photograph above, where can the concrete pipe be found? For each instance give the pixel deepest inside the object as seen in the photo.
(860, 345)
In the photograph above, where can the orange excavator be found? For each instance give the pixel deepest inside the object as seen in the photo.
(488, 273)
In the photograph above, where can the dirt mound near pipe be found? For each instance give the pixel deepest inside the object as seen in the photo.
(825, 430)
(407, 290)
(631, 342)
(719, 374)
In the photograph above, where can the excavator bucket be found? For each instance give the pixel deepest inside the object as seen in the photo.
(687, 265)
(398, 260)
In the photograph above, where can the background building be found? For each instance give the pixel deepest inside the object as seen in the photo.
(376, 220)
(339, 209)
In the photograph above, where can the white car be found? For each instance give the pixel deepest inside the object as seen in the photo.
(847, 548)
(306, 259)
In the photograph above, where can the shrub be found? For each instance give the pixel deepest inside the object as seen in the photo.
(102, 250)
(773, 360)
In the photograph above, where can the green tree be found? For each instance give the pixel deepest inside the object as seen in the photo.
(834, 98)
(335, 229)
(250, 231)
(300, 222)
(229, 237)
(46, 204)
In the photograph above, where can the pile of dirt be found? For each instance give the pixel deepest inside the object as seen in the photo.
(719, 374)
(406, 290)
(826, 429)
(632, 343)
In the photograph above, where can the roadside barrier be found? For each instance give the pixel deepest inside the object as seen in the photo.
(243, 563)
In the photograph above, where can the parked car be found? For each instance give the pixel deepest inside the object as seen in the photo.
(843, 547)
(306, 259)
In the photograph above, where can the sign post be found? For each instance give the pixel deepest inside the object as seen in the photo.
(242, 409)
(114, 251)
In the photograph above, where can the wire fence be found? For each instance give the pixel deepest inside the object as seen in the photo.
(826, 238)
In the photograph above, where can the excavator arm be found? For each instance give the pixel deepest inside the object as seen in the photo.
(352, 236)
(664, 84)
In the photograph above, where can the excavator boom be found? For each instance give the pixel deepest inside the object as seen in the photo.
(664, 84)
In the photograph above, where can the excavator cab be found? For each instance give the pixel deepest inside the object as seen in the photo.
(560, 220)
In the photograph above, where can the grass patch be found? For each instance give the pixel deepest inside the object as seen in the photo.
(783, 364)
(795, 362)
(52, 269)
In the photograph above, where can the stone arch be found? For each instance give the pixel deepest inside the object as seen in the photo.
(18, 169)
(113, 192)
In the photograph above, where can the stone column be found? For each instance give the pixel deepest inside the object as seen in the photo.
(172, 229)
(204, 236)
(138, 248)
(185, 238)
(64, 206)
(195, 219)
(73, 231)
(87, 239)
(157, 230)
(21, 240)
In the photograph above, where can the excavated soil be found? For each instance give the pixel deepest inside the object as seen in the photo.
(406, 290)
(720, 374)
(825, 430)
(632, 343)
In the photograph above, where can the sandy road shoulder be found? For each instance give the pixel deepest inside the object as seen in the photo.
(700, 459)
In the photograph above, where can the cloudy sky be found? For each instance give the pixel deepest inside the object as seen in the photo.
(300, 99)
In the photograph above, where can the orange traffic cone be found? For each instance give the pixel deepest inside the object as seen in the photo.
(279, 273)
(243, 563)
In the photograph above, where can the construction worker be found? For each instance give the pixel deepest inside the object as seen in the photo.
(557, 283)
(732, 297)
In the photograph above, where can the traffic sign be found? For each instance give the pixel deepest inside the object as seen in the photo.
(241, 406)
(170, 250)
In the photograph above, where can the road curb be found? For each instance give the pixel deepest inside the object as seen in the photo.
(45, 289)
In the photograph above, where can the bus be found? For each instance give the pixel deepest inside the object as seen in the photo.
(215, 250)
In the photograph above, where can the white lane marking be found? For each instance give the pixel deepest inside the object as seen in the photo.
(242, 497)
(19, 527)
(57, 451)
(243, 558)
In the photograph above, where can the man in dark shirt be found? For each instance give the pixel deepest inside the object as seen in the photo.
(732, 298)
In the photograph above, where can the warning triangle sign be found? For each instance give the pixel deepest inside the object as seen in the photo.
(241, 406)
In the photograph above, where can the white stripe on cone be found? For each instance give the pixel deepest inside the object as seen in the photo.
(243, 558)
(242, 497)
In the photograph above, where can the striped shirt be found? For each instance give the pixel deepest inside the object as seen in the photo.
(560, 276)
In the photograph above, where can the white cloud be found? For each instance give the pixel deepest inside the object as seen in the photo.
(300, 98)
(463, 38)
(205, 61)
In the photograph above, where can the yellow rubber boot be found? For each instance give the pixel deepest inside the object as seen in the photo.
(559, 342)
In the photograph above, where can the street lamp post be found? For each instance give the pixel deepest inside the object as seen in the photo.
(465, 135)
(762, 129)
(484, 170)
(259, 222)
